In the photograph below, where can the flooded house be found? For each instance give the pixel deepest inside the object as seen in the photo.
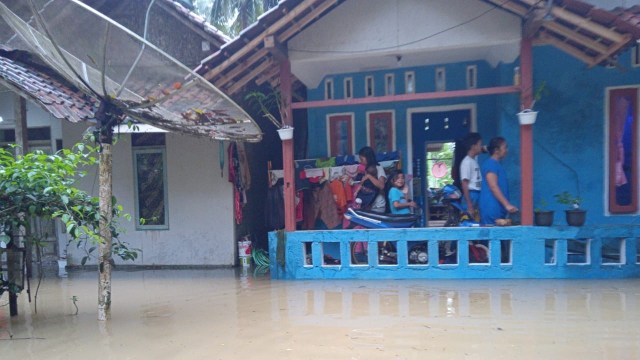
(409, 78)
(178, 183)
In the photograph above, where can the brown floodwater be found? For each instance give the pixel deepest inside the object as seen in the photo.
(232, 314)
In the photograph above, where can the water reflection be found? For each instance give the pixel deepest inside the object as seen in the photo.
(230, 313)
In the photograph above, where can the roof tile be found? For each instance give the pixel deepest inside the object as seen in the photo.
(55, 97)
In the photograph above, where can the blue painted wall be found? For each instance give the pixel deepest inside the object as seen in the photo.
(425, 82)
(531, 252)
(569, 135)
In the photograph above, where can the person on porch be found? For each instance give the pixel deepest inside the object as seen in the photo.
(494, 193)
(368, 157)
(398, 202)
(470, 177)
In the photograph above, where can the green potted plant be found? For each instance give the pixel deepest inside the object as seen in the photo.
(541, 215)
(266, 101)
(575, 215)
(528, 116)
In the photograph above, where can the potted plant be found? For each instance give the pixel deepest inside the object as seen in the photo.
(528, 116)
(575, 215)
(541, 215)
(268, 101)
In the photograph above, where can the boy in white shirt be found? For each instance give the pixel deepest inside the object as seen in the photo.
(470, 175)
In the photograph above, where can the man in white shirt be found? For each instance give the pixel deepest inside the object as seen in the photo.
(470, 175)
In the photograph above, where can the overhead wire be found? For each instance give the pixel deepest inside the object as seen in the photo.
(398, 45)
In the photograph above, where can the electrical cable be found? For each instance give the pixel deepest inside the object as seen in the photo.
(494, 7)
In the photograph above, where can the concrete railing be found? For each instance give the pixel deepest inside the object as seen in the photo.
(607, 251)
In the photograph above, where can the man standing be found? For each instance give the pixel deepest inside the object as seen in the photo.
(470, 176)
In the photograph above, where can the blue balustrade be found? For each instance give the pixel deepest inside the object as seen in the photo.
(604, 251)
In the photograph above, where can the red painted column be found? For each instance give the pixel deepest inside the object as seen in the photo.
(287, 150)
(526, 134)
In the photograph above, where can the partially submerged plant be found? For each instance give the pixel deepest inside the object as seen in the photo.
(266, 102)
(566, 198)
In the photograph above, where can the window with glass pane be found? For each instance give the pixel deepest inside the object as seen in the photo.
(623, 151)
(348, 88)
(368, 86)
(150, 187)
(381, 130)
(340, 134)
(409, 82)
(328, 89)
(389, 84)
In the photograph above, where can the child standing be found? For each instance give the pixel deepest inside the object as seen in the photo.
(397, 196)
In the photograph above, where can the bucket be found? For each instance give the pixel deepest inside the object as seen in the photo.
(286, 133)
(244, 252)
(527, 117)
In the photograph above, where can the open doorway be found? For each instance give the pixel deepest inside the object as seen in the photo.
(434, 132)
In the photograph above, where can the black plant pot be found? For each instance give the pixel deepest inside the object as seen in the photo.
(576, 217)
(543, 218)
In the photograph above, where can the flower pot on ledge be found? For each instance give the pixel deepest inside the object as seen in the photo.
(576, 217)
(286, 133)
(527, 117)
(543, 217)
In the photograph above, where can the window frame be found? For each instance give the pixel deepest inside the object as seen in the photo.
(368, 79)
(390, 120)
(611, 149)
(440, 73)
(150, 150)
(472, 76)
(389, 84)
(332, 120)
(408, 74)
(329, 90)
(635, 55)
(348, 88)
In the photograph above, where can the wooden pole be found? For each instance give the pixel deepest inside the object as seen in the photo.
(22, 142)
(287, 149)
(20, 116)
(526, 134)
(106, 120)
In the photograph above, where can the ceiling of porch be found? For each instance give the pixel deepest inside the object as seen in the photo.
(420, 35)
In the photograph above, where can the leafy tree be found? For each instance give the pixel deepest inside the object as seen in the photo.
(232, 16)
(42, 185)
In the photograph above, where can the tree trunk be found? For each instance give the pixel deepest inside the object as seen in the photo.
(104, 250)
(22, 142)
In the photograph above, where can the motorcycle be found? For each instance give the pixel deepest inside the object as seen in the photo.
(450, 196)
(387, 253)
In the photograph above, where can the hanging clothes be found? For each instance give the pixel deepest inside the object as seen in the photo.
(245, 174)
(239, 197)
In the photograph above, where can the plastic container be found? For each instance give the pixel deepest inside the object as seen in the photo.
(244, 251)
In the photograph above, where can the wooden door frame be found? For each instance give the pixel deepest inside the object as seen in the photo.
(441, 108)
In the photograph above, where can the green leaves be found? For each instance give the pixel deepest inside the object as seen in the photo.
(42, 185)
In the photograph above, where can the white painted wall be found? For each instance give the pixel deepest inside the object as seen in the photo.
(36, 116)
(201, 224)
(361, 35)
